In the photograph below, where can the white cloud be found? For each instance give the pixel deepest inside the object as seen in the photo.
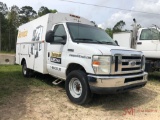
(142, 18)
(101, 26)
(116, 17)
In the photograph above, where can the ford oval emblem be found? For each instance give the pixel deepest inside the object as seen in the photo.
(132, 63)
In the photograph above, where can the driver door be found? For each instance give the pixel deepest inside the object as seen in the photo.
(56, 52)
(148, 40)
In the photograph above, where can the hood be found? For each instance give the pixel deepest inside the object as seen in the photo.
(106, 49)
(97, 49)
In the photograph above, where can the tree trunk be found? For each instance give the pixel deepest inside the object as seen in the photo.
(0, 33)
(15, 39)
(9, 40)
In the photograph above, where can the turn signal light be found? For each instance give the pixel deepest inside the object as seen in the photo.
(96, 63)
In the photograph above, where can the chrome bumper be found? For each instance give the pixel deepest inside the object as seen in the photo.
(113, 84)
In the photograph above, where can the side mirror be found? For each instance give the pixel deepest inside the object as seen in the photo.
(62, 40)
(49, 36)
(64, 37)
(116, 42)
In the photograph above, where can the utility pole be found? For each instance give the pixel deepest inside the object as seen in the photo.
(9, 40)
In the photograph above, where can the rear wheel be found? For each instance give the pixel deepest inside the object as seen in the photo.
(25, 71)
(77, 87)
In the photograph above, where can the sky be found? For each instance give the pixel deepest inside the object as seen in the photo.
(104, 17)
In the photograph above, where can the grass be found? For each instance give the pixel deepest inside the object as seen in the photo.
(154, 76)
(12, 80)
(7, 52)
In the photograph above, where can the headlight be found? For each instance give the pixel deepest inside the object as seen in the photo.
(101, 64)
(143, 62)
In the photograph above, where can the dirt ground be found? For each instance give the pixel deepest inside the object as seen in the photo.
(51, 103)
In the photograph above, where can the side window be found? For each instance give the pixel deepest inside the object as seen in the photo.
(59, 33)
(149, 34)
(155, 34)
(146, 34)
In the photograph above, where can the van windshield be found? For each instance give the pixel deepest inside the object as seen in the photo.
(82, 33)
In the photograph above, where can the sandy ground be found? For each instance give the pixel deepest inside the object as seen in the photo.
(51, 103)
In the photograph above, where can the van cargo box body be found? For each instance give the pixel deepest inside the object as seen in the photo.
(31, 43)
(123, 38)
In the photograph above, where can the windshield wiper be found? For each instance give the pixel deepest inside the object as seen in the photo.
(87, 39)
(83, 39)
(109, 43)
(95, 41)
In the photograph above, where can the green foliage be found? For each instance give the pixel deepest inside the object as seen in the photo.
(53, 11)
(117, 28)
(26, 14)
(13, 16)
(109, 31)
(28, 11)
(4, 31)
(3, 11)
(44, 10)
(3, 8)
(7, 52)
(11, 19)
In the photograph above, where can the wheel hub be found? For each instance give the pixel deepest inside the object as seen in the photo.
(24, 69)
(75, 87)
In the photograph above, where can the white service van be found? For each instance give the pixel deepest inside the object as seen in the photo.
(74, 50)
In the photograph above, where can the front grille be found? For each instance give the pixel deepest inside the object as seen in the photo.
(130, 69)
(138, 63)
(116, 63)
(124, 62)
(133, 79)
(131, 57)
(133, 87)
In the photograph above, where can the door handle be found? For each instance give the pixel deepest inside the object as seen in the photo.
(71, 50)
(139, 43)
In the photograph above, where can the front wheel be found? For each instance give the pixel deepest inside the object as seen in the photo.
(77, 87)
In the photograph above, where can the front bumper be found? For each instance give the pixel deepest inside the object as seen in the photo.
(116, 84)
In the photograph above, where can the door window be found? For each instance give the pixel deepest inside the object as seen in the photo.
(150, 34)
(59, 33)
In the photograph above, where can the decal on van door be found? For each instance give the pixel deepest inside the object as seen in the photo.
(55, 57)
(22, 34)
(37, 36)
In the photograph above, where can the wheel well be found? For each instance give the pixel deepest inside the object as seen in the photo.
(23, 60)
(74, 66)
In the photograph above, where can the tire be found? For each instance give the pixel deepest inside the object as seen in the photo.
(25, 71)
(77, 87)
